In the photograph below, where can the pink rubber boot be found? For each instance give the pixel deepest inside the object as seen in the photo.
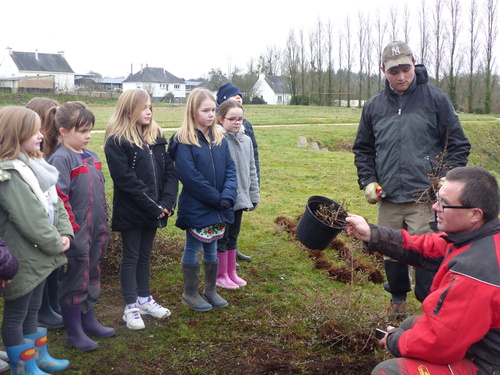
(231, 268)
(223, 279)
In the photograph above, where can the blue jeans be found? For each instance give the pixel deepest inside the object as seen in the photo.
(193, 247)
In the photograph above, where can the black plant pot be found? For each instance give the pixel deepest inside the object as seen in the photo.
(314, 233)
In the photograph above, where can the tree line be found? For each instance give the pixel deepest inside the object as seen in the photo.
(339, 64)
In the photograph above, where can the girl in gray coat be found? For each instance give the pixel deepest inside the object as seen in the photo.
(230, 119)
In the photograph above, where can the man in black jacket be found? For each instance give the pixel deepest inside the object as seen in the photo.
(408, 132)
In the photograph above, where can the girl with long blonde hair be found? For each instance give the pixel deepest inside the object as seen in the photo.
(144, 196)
(208, 175)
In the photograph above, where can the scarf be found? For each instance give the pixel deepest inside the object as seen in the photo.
(45, 173)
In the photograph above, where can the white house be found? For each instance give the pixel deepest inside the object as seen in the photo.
(157, 82)
(273, 89)
(34, 64)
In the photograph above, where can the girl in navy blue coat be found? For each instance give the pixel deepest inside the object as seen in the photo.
(144, 196)
(204, 165)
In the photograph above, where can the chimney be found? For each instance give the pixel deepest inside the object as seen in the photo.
(61, 53)
(36, 54)
(9, 50)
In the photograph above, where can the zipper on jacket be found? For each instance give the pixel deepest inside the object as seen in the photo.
(443, 297)
(155, 180)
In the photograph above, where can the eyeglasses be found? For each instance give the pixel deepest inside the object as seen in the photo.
(442, 206)
(234, 120)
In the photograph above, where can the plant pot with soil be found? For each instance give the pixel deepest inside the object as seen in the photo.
(322, 221)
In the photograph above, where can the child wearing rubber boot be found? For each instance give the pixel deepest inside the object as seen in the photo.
(81, 188)
(230, 119)
(228, 91)
(144, 197)
(49, 314)
(36, 228)
(204, 165)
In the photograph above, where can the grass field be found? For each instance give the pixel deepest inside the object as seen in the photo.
(294, 316)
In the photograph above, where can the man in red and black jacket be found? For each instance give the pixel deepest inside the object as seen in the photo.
(459, 330)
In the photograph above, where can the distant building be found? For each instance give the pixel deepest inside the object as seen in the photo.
(157, 82)
(16, 67)
(273, 89)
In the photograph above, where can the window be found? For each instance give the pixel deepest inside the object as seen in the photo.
(177, 87)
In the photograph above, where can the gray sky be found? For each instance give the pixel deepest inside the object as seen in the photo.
(188, 38)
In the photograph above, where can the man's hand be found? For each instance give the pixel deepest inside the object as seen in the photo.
(371, 192)
(358, 227)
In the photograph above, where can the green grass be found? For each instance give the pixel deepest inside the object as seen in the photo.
(291, 317)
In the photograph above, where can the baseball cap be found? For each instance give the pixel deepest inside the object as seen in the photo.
(397, 53)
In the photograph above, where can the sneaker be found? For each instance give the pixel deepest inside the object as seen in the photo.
(152, 308)
(133, 319)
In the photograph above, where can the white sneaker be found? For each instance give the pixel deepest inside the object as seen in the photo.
(133, 319)
(152, 308)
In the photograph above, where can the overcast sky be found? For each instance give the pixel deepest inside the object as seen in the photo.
(188, 37)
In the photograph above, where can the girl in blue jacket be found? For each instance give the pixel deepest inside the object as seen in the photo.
(144, 196)
(208, 174)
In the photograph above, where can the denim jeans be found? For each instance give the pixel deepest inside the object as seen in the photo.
(193, 247)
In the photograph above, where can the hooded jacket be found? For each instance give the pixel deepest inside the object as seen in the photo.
(208, 176)
(81, 188)
(143, 183)
(400, 137)
(26, 229)
(241, 149)
(461, 315)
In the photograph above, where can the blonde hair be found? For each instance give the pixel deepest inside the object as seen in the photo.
(187, 133)
(68, 116)
(17, 124)
(123, 122)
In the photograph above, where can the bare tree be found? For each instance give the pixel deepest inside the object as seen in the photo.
(313, 69)
(406, 23)
(270, 61)
(362, 33)
(380, 30)
(303, 62)
(473, 50)
(490, 37)
(329, 57)
(393, 23)
(292, 61)
(454, 8)
(319, 59)
(438, 38)
(349, 57)
(341, 55)
(423, 33)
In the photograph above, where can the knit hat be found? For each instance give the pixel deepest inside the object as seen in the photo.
(395, 54)
(226, 91)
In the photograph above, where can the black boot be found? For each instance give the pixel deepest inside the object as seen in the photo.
(53, 288)
(91, 326)
(191, 295)
(210, 278)
(75, 336)
(241, 256)
(47, 317)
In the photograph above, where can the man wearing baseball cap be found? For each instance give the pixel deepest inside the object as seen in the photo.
(404, 131)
